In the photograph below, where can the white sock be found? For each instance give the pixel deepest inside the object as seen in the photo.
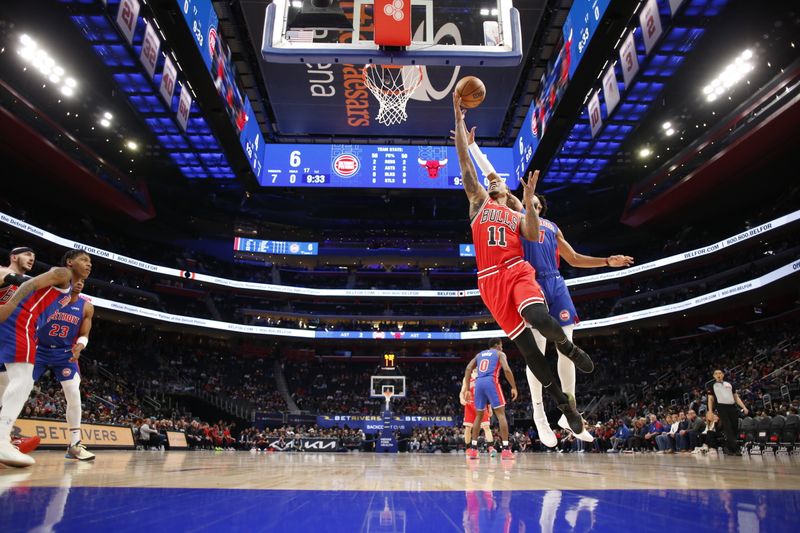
(566, 368)
(505, 444)
(20, 384)
(474, 444)
(72, 394)
(3, 384)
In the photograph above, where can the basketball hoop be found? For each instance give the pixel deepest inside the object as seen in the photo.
(392, 85)
(388, 392)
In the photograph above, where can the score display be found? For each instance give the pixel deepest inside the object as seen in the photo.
(373, 166)
(260, 246)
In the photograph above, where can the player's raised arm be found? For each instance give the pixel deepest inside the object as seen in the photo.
(469, 176)
(586, 261)
(509, 374)
(55, 277)
(529, 226)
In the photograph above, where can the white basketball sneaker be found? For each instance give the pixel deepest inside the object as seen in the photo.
(584, 435)
(78, 451)
(11, 456)
(546, 434)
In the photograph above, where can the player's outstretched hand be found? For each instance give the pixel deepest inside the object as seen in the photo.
(529, 188)
(513, 394)
(457, 110)
(620, 261)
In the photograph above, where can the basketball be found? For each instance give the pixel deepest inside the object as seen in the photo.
(471, 90)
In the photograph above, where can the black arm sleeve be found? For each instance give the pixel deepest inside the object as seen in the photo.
(13, 279)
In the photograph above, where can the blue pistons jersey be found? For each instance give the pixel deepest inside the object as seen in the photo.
(57, 332)
(544, 256)
(487, 386)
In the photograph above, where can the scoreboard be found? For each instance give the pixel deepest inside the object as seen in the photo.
(373, 166)
(261, 246)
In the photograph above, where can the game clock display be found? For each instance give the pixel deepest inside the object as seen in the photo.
(373, 166)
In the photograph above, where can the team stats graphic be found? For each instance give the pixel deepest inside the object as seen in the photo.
(373, 166)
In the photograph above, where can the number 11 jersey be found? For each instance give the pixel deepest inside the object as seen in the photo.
(496, 234)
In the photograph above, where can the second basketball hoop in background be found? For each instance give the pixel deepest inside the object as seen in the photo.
(471, 90)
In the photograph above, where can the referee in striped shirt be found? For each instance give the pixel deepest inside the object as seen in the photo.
(724, 395)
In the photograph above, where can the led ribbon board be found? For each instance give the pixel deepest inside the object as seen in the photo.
(308, 291)
(734, 290)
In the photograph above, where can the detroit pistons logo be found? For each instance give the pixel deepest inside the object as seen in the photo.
(564, 314)
(346, 165)
(294, 247)
(212, 40)
(66, 372)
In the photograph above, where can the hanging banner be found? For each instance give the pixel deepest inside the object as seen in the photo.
(184, 106)
(595, 120)
(168, 76)
(150, 47)
(610, 90)
(674, 6)
(628, 59)
(127, 16)
(650, 21)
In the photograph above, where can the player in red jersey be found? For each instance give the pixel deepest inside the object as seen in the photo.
(19, 313)
(20, 262)
(506, 281)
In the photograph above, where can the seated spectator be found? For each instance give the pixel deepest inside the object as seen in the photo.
(695, 426)
(148, 435)
(711, 436)
(620, 437)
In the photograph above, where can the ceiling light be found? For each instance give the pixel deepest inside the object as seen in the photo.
(105, 122)
(747, 54)
(670, 132)
(66, 90)
(485, 12)
(708, 89)
(645, 152)
(107, 115)
(666, 125)
(71, 83)
(55, 78)
(26, 40)
(131, 145)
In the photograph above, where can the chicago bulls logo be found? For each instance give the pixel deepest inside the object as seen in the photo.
(432, 166)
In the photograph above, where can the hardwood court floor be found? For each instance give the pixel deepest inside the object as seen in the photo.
(240, 491)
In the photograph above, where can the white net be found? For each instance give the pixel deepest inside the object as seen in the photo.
(392, 85)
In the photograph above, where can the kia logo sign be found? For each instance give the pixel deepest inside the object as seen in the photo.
(346, 165)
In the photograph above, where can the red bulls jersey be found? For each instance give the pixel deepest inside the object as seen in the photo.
(18, 331)
(496, 234)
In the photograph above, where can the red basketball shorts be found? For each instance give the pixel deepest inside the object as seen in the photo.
(507, 289)
(469, 415)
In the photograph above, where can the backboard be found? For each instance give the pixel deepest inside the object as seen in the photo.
(468, 32)
(378, 384)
